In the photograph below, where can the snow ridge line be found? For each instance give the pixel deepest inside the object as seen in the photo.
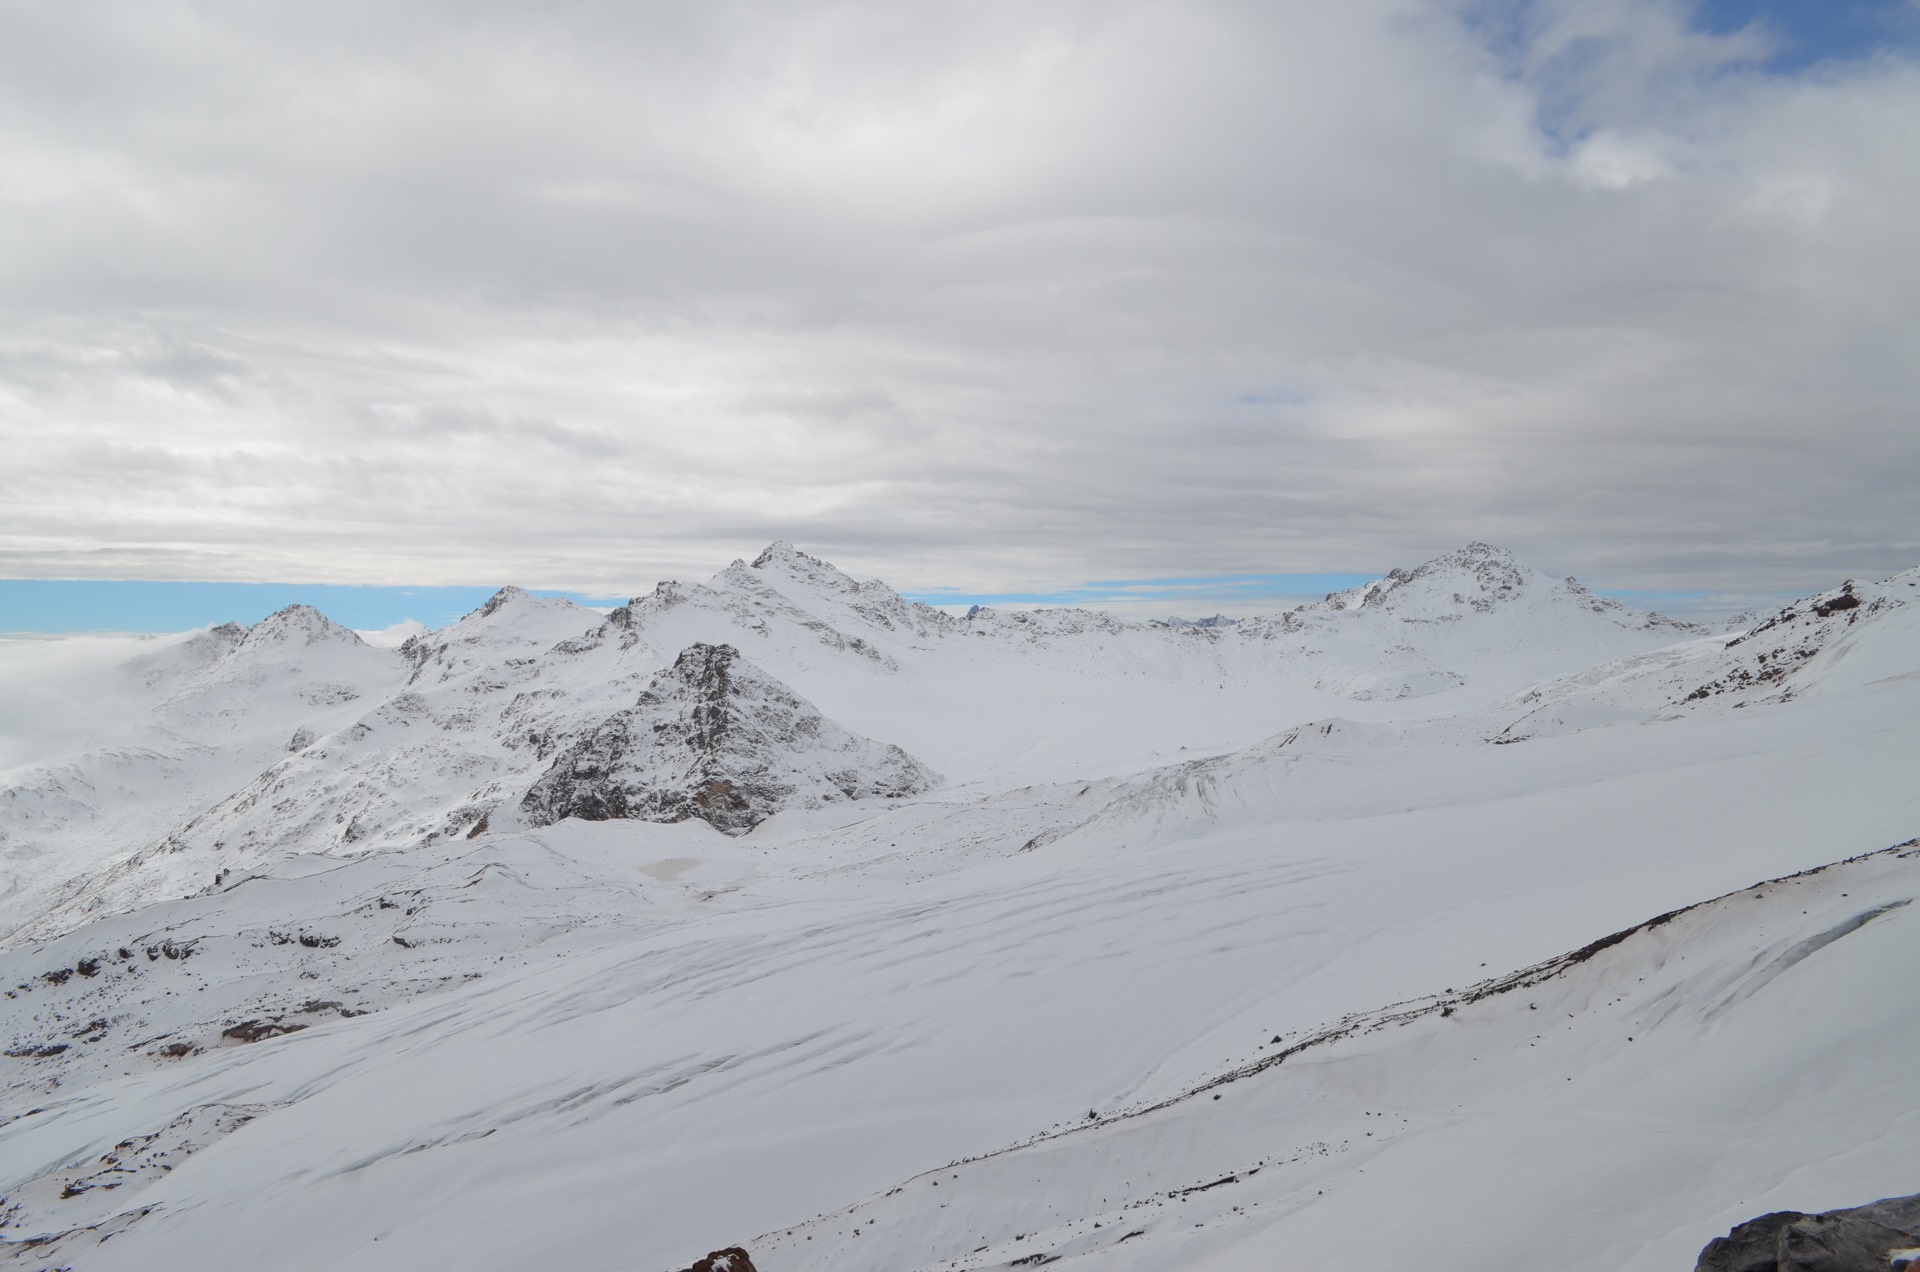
(1403, 1012)
(1444, 1003)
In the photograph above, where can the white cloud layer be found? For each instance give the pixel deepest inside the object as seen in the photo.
(986, 296)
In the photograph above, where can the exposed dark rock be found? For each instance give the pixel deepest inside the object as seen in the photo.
(256, 1030)
(731, 1259)
(1856, 1240)
(715, 738)
(1846, 600)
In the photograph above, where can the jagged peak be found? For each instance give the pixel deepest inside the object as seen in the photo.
(1481, 577)
(297, 622)
(706, 669)
(501, 599)
(781, 552)
(511, 599)
(1479, 558)
(793, 562)
(715, 738)
(1492, 572)
(711, 675)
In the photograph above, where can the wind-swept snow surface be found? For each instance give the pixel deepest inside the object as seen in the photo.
(1193, 961)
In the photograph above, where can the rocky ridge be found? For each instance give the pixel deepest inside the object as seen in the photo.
(1805, 644)
(716, 739)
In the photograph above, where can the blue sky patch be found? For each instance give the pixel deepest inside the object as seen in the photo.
(1807, 32)
(101, 605)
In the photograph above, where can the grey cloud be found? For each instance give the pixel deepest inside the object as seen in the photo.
(996, 298)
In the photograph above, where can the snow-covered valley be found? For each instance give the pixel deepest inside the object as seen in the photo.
(894, 939)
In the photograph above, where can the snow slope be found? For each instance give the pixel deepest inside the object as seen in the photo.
(1736, 1048)
(198, 718)
(973, 1022)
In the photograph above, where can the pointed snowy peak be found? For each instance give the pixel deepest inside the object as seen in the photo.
(782, 553)
(514, 615)
(715, 738)
(820, 595)
(1477, 576)
(512, 603)
(500, 600)
(1482, 578)
(297, 625)
(784, 561)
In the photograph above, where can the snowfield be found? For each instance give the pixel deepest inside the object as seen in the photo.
(1465, 915)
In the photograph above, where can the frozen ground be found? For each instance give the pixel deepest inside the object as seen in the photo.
(1208, 951)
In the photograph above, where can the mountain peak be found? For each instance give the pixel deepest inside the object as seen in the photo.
(515, 600)
(1477, 576)
(301, 623)
(782, 553)
(501, 599)
(784, 561)
(716, 739)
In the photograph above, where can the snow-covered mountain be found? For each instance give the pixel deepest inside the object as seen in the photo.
(714, 738)
(621, 938)
(247, 746)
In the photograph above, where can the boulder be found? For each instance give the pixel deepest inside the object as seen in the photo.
(1862, 1239)
(731, 1259)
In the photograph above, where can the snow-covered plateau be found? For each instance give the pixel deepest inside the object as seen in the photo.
(1465, 920)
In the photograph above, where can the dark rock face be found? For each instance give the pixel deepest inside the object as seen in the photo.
(731, 1259)
(715, 738)
(1856, 1240)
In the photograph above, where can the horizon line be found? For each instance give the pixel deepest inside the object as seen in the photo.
(57, 607)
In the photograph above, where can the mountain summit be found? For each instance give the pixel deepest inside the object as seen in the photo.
(1481, 578)
(715, 738)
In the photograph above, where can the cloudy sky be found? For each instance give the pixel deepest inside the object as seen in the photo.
(991, 296)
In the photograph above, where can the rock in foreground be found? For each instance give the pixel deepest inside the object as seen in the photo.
(1864, 1239)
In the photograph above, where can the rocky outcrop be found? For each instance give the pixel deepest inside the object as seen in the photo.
(731, 1259)
(715, 738)
(1871, 1238)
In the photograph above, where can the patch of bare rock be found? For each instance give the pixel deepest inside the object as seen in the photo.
(715, 738)
(731, 1259)
(1882, 1236)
